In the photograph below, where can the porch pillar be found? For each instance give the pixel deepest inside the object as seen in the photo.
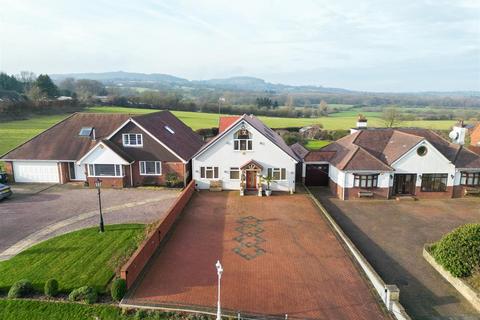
(259, 182)
(242, 183)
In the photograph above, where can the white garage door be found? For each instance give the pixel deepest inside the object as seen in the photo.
(35, 171)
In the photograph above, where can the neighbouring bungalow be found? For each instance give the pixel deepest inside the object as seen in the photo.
(393, 162)
(243, 153)
(120, 149)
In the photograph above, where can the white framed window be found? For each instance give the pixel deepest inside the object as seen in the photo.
(105, 170)
(277, 174)
(132, 139)
(242, 140)
(234, 173)
(366, 181)
(209, 172)
(150, 168)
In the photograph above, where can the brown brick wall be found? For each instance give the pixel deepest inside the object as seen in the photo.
(335, 189)
(9, 170)
(119, 182)
(378, 193)
(134, 266)
(434, 195)
(167, 167)
(475, 136)
(458, 191)
(63, 172)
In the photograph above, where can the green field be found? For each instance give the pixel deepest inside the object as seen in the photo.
(75, 259)
(13, 133)
(316, 144)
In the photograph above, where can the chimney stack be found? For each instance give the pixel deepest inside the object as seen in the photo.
(361, 121)
(458, 133)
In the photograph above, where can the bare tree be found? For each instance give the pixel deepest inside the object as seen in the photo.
(392, 117)
(323, 108)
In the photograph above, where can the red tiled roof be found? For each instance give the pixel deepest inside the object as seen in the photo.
(475, 149)
(225, 122)
(319, 155)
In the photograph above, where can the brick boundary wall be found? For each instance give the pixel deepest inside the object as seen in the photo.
(134, 266)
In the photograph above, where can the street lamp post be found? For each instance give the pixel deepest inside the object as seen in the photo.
(98, 185)
(219, 273)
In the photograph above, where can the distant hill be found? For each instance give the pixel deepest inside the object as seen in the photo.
(165, 80)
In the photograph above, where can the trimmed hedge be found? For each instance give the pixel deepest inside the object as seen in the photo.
(86, 294)
(459, 250)
(51, 288)
(119, 288)
(20, 289)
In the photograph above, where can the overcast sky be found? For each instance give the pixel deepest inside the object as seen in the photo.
(374, 45)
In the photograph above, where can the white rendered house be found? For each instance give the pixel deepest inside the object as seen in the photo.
(242, 154)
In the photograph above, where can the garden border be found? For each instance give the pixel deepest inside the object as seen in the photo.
(139, 259)
(461, 286)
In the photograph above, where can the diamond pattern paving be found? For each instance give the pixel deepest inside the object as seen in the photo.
(250, 241)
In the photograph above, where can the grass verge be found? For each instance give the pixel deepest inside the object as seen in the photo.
(84, 257)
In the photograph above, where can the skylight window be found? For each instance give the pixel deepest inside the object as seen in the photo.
(169, 129)
(85, 132)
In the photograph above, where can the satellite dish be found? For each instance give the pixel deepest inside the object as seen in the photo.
(453, 135)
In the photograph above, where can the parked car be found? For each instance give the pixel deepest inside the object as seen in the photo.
(3, 177)
(5, 191)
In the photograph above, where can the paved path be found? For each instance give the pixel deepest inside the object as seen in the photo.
(391, 235)
(33, 215)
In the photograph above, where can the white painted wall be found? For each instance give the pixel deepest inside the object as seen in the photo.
(266, 153)
(432, 162)
(103, 155)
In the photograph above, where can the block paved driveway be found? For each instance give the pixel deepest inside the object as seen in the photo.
(391, 236)
(279, 257)
(37, 211)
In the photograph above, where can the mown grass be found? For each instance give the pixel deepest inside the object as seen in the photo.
(13, 133)
(316, 144)
(75, 259)
(42, 310)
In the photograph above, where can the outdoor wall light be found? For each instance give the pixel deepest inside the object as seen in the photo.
(420, 176)
(452, 176)
(391, 176)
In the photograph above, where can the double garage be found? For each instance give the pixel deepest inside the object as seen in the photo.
(36, 171)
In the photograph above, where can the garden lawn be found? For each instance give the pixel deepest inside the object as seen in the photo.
(316, 144)
(41, 310)
(75, 259)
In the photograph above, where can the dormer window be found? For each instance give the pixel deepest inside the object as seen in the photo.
(132, 139)
(242, 140)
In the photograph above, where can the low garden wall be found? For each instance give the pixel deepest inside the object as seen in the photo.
(462, 287)
(134, 266)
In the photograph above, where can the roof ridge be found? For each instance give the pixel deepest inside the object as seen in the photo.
(351, 156)
(38, 134)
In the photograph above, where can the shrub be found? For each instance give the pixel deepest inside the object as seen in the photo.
(119, 288)
(51, 288)
(459, 250)
(86, 294)
(141, 314)
(20, 289)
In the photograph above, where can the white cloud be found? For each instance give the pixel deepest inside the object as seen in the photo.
(294, 42)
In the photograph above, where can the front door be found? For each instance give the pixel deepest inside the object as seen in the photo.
(251, 180)
(404, 184)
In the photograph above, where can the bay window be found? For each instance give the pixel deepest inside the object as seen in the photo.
(471, 179)
(366, 181)
(105, 170)
(150, 168)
